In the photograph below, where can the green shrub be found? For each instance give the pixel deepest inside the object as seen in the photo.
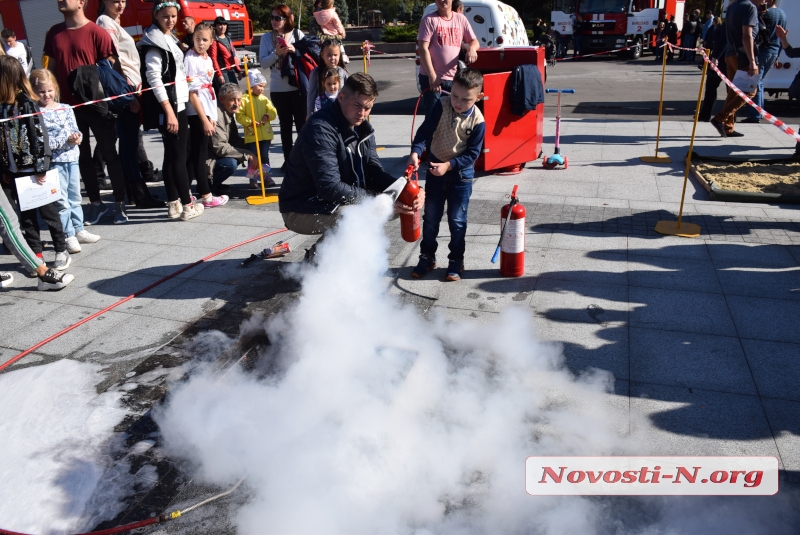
(400, 34)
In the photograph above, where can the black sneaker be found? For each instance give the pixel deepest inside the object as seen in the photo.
(426, 265)
(454, 271)
(53, 280)
(735, 134)
(719, 126)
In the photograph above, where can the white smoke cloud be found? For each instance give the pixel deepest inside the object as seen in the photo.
(379, 421)
(384, 422)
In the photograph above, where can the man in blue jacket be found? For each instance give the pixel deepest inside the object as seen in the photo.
(334, 162)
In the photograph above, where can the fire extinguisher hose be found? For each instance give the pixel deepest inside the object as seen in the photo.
(165, 517)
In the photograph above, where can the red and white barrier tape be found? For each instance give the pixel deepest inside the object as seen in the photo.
(107, 99)
(764, 113)
(676, 47)
(595, 54)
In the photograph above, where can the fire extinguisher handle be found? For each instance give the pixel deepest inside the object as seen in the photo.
(409, 171)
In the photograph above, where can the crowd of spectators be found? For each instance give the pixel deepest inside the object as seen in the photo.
(188, 90)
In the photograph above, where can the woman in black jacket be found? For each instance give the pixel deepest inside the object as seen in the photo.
(688, 38)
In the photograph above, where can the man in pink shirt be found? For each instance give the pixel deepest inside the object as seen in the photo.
(439, 40)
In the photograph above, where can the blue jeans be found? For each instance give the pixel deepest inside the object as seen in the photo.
(69, 209)
(263, 145)
(429, 98)
(766, 59)
(223, 168)
(455, 188)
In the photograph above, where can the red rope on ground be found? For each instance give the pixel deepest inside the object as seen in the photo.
(125, 300)
(110, 531)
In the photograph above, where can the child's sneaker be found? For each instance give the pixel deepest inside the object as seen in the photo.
(174, 210)
(85, 236)
(63, 260)
(255, 183)
(73, 246)
(426, 265)
(268, 182)
(454, 271)
(6, 279)
(190, 211)
(252, 169)
(54, 280)
(213, 201)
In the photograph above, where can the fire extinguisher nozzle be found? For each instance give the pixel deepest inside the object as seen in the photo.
(496, 255)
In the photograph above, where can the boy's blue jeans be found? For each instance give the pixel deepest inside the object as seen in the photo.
(454, 188)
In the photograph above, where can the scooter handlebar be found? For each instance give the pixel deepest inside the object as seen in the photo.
(559, 91)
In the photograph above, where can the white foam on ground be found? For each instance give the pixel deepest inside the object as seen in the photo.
(55, 432)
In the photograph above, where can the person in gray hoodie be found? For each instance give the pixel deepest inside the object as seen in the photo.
(164, 107)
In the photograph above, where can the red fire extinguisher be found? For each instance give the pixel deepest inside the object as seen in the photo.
(410, 223)
(511, 247)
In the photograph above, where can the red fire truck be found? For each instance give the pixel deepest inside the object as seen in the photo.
(613, 24)
(30, 19)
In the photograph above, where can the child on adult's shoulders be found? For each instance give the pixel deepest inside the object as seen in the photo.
(452, 134)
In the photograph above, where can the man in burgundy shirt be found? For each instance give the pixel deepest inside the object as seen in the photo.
(75, 42)
(439, 41)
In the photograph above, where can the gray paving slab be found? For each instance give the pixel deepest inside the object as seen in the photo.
(702, 361)
(684, 311)
(784, 419)
(672, 273)
(751, 255)
(775, 367)
(588, 241)
(766, 319)
(775, 283)
(122, 346)
(588, 266)
(568, 300)
(700, 422)
(188, 300)
(589, 345)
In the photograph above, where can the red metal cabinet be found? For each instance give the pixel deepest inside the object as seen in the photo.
(510, 140)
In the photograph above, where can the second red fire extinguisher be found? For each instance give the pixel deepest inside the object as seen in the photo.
(511, 247)
(410, 223)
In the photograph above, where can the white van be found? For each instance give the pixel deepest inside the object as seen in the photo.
(780, 76)
(495, 24)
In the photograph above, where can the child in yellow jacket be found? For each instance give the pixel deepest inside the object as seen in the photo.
(266, 111)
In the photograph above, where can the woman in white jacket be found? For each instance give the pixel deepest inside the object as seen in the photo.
(165, 105)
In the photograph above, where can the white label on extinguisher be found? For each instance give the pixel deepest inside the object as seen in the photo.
(514, 236)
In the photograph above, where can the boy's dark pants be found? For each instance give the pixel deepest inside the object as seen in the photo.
(455, 188)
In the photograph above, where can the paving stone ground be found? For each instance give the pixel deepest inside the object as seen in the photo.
(701, 335)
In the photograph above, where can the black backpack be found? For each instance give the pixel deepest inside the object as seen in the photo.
(763, 35)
